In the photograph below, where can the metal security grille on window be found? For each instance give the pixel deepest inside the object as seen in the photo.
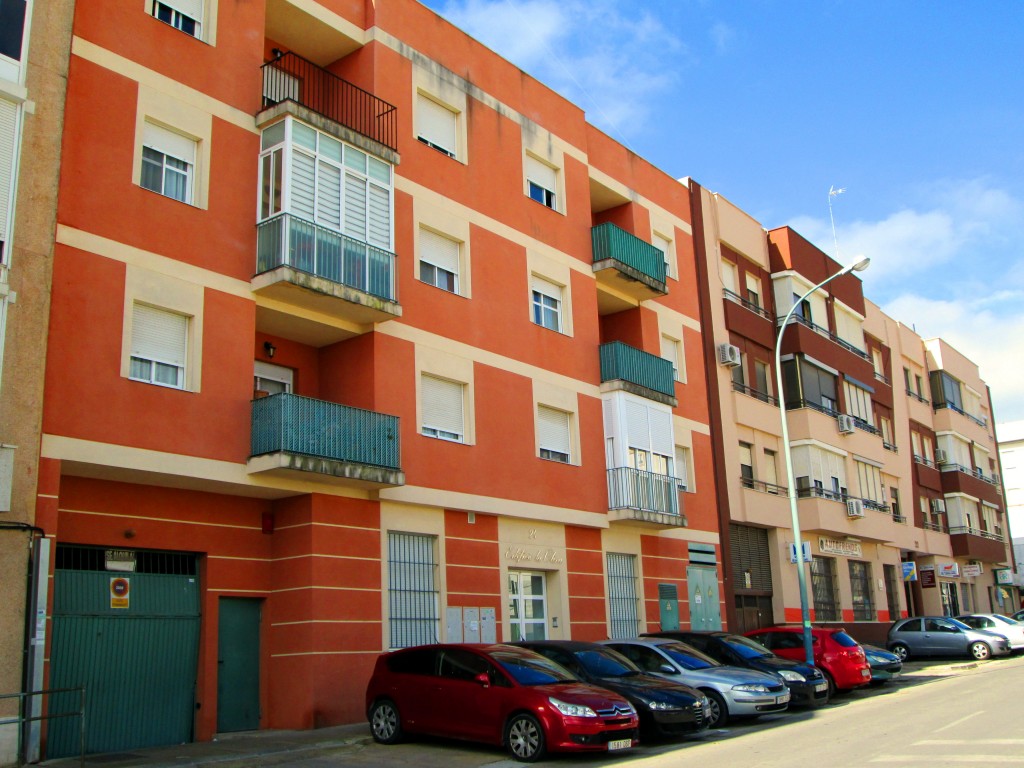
(824, 589)
(860, 586)
(413, 602)
(553, 434)
(159, 346)
(623, 606)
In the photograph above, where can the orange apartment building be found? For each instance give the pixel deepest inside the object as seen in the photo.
(385, 344)
(892, 442)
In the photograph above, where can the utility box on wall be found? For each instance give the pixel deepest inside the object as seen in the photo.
(471, 625)
(668, 602)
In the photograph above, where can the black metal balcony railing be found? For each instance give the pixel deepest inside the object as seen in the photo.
(757, 309)
(619, 361)
(293, 78)
(821, 493)
(764, 487)
(757, 394)
(952, 466)
(877, 506)
(917, 396)
(918, 459)
(961, 529)
(883, 378)
(937, 527)
(286, 240)
(643, 491)
(898, 518)
(828, 334)
(301, 425)
(981, 422)
(890, 446)
(615, 243)
(859, 423)
(794, 405)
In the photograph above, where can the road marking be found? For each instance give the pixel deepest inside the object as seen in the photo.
(951, 742)
(978, 759)
(957, 722)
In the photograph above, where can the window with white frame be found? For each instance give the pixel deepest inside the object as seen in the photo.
(8, 134)
(439, 260)
(747, 465)
(729, 277)
(623, 605)
(753, 289)
(869, 478)
(442, 408)
(554, 435)
(664, 245)
(821, 470)
(168, 161)
(849, 326)
(546, 299)
(771, 471)
(672, 350)
(762, 380)
(413, 595)
(270, 379)
(541, 182)
(159, 346)
(12, 28)
(683, 469)
(186, 15)
(437, 126)
(858, 402)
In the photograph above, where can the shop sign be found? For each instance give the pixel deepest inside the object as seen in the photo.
(805, 548)
(909, 570)
(119, 559)
(120, 587)
(949, 570)
(1004, 576)
(515, 554)
(839, 547)
(926, 574)
(971, 570)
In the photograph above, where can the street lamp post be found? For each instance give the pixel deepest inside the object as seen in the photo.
(805, 614)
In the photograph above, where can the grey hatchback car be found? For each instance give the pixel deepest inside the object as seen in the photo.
(943, 636)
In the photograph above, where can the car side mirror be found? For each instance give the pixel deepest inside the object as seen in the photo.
(484, 679)
(668, 669)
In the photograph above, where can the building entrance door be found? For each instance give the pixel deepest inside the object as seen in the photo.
(527, 605)
(238, 664)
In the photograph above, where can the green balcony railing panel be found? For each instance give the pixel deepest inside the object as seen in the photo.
(294, 424)
(612, 242)
(288, 241)
(619, 361)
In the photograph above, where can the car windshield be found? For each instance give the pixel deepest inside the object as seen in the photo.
(606, 663)
(745, 647)
(1003, 619)
(687, 657)
(958, 624)
(528, 668)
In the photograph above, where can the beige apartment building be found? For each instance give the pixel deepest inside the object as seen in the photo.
(892, 444)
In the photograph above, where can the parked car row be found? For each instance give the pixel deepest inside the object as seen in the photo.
(978, 635)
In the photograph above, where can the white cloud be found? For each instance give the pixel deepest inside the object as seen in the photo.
(722, 35)
(610, 58)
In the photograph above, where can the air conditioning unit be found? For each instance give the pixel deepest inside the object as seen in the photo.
(938, 505)
(846, 424)
(854, 508)
(941, 457)
(995, 478)
(729, 355)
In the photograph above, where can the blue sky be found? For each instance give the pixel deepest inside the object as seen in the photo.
(915, 108)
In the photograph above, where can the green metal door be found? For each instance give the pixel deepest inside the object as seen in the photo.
(705, 612)
(238, 664)
(132, 640)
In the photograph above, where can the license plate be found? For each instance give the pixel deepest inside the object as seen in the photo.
(782, 699)
(620, 744)
(820, 687)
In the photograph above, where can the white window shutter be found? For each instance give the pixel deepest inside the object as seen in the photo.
(638, 431)
(439, 250)
(169, 143)
(682, 471)
(662, 439)
(159, 335)
(541, 174)
(379, 214)
(553, 430)
(355, 207)
(191, 8)
(328, 195)
(8, 123)
(546, 288)
(437, 124)
(442, 405)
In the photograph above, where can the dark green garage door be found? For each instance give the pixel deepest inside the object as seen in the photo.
(132, 639)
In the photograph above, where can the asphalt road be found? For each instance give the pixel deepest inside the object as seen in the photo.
(972, 718)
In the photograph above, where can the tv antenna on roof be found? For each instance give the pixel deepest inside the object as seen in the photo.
(833, 192)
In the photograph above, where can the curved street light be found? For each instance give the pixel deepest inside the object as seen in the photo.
(805, 615)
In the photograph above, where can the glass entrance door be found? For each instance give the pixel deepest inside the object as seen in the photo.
(527, 605)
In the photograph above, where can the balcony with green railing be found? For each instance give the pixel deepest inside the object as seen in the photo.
(638, 372)
(627, 263)
(294, 436)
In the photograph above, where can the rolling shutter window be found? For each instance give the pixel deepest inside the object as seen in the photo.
(328, 198)
(379, 215)
(546, 288)
(638, 431)
(439, 250)
(662, 440)
(169, 143)
(553, 431)
(442, 408)
(8, 124)
(682, 467)
(191, 8)
(159, 335)
(437, 125)
(751, 563)
(541, 174)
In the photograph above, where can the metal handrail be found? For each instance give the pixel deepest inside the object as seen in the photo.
(764, 487)
(981, 422)
(958, 529)
(821, 330)
(21, 719)
(757, 309)
(757, 394)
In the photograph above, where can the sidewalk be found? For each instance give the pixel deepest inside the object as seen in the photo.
(244, 750)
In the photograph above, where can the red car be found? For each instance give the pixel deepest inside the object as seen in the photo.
(496, 694)
(836, 654)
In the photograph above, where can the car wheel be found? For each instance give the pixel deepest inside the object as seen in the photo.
(901, 650)
(525, 738)
(980, 651)
(718, 709)
(385, 724)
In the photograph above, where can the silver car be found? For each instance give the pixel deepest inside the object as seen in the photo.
(943, 636)
(731, 691)
(1012, 630)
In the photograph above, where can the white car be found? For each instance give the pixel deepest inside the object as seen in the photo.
(1012, 630)
(731, 691)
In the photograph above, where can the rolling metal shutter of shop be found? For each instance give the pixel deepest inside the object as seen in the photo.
(750, 554)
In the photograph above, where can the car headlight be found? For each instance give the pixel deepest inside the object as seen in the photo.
(662, 706)
(751, 688)
(572, 710)
(792, 677)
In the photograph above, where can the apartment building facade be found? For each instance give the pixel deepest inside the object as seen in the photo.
(386, 344)
(893, 449)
